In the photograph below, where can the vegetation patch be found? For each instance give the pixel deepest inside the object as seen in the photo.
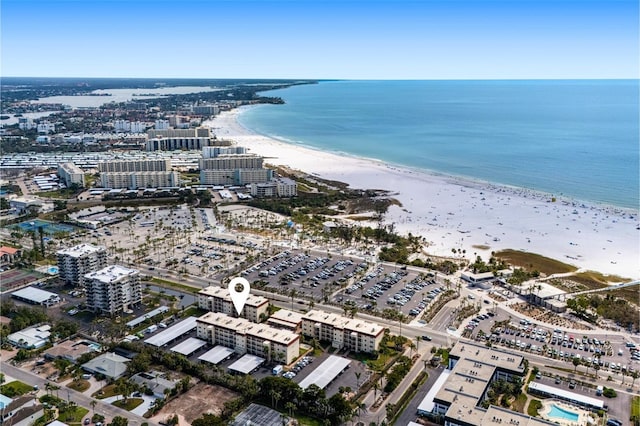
(79, 385)
(533, 261)
(72, 414)
(519, 403)
(15, 388)
(591, 306)
(129, 404)
(533, 408)
(635, 409)
(106, 392)
(172, 284)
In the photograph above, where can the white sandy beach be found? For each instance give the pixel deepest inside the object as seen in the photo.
(457, 213)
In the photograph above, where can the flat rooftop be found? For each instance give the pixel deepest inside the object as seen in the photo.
(81, 250)
(173, 332)
(286, 316)
(112, 273)
(189, 346)
(142, 318)
(339, 321)
(566, 395)
(246, 364)
(216, 355)
(223, 293)
(488, 356)
(34, 294)
(243, 326)
(326, 372)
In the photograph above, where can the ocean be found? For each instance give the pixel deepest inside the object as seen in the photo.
(569, 138)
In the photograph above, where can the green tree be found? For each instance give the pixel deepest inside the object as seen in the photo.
(119, 421)
(576, 363)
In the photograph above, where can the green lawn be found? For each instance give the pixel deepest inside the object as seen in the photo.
(131, 403)
(15, 388)
(635, 408)
(166, 283)
(79, 385)
(73, 415)
(106, 392)
(533, 408)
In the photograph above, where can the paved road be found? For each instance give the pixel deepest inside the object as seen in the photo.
(107, 410)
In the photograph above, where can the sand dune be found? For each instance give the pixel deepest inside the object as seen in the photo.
(458, 213)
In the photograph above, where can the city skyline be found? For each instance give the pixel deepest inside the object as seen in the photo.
(321, 40)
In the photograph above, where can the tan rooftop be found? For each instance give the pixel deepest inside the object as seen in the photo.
(223, 293)
(341, 322)
(246, 327)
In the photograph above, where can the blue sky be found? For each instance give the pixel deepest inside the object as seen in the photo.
(451, 39)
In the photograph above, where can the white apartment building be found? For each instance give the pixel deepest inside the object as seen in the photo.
(286, 319)
(129, 126)
(232, 161)
(138, 165)
(70, 174)
(162, 125)
(235, 177)
(77, 261)
(46, 127)
(173, 144)
(281, 187)
(218, 299)
(351, 333)
(246, 337)
(198, 132)
(25, 123)
(216, 151)
(205, 109)
(113, 289)
(137, 180)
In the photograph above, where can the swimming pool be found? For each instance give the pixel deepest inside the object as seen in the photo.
(52, 270)
(561, 413)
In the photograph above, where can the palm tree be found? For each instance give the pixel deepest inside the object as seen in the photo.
(275, 397)
(358, 374)
(93, 405)
(293, 293)
(290, 406)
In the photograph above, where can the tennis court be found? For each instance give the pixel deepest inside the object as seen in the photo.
(48, 227)
(15, 278)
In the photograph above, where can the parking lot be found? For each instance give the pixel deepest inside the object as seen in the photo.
(388, 287)
(311, 274)
(596, 351)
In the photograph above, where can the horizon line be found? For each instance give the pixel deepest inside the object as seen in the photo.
(332, 79)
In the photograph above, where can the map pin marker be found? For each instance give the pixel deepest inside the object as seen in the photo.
(239, 298)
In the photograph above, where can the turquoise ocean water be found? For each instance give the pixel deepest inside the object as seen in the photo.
(572, 138)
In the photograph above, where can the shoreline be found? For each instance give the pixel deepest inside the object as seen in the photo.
(458, 212)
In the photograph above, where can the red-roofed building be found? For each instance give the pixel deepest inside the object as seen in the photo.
(9, 254)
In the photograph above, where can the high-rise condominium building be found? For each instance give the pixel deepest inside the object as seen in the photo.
(77, 261)
(71, 174)
(151, 165)
(113, 289)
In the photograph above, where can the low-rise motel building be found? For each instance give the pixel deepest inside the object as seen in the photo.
(458, 394)
(351, 333)
(218, 299)
(246, 337)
